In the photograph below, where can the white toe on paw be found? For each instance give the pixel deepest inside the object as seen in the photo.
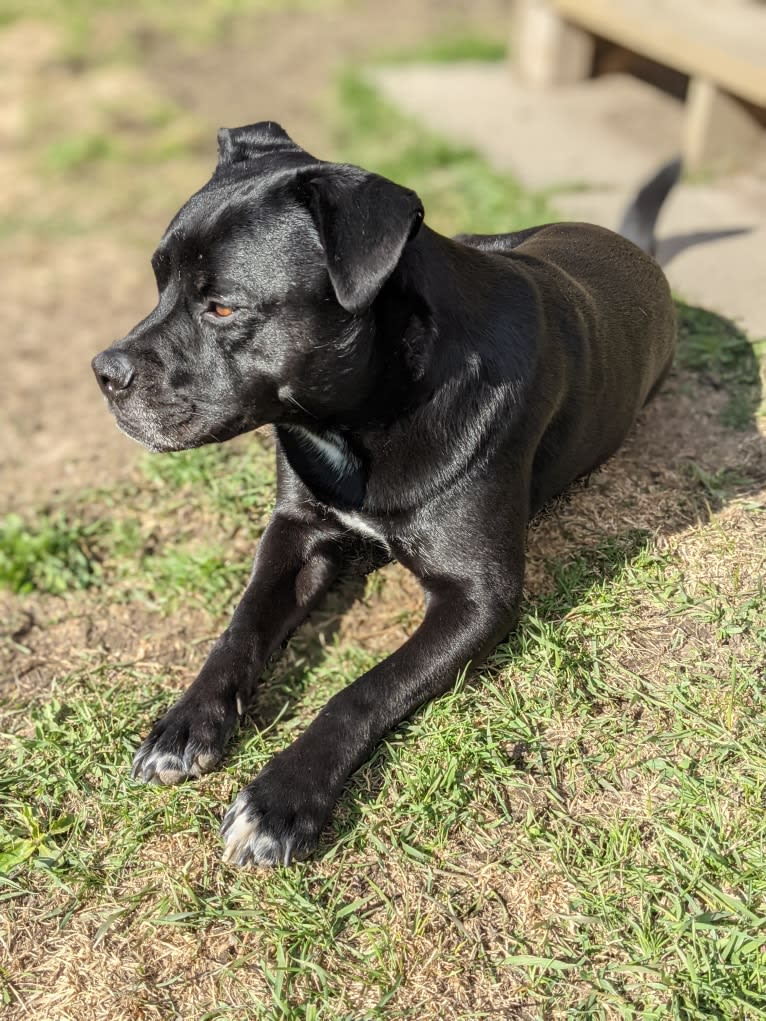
(154, 766)
(204, 763)
(246, 839)
(158, 767)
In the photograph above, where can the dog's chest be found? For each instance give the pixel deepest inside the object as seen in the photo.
(327, 447)
(326, 464)
(361, 526)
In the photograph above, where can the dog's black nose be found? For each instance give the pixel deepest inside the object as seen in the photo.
(114, 371)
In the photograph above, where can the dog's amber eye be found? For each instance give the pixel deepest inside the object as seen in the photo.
(221, 311)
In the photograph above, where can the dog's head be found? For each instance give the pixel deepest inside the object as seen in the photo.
(267, 279)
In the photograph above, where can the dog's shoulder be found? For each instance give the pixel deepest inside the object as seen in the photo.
(596, 257)
(538, 238)
(498, 243)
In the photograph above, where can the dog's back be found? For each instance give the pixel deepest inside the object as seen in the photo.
(610, 334)
(608, 325)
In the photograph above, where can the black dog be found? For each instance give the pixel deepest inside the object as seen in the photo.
(429, 396)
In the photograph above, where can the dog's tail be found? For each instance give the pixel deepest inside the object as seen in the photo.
(639, 219)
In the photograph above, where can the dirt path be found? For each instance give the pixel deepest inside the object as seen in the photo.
(96, 157)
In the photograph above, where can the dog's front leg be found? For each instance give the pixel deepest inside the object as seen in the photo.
(296, 562)
(281, 813)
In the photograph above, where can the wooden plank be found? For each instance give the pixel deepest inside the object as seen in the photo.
(549, 50)
(725, 42)
(719, 134)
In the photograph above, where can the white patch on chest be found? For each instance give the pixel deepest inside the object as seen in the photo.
(356, 523)
(335, 452)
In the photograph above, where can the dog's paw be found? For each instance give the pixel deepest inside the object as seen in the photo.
(184, 743)
(271, 823)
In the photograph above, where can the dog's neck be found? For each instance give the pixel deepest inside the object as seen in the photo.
(420, 312)
(326, 462)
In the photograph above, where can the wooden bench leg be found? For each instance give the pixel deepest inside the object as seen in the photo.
(719, 133)
(547, 49)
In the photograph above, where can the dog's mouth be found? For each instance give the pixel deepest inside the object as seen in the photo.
(162, 434)
(181, 425)
(144, 441)
(150, 438)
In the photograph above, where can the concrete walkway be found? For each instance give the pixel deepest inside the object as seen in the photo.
(592, 144)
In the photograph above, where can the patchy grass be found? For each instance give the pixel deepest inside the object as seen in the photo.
(52, 555)
(84, 21)
(235, 481)
(129, 127)
(76, 151)
(451, 49)
(713, 346)
(577, 831)
(581, 825)
(184, 529)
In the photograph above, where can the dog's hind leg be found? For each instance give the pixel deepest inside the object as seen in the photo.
(296, 562)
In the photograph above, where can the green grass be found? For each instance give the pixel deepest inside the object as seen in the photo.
(76, 151)
(715, 347)
(640, 801)
(450, 49)
(119, 540)
(193, 25)
(577, 831)
(152, 145)
(129, 131)
(235, 481)
(53, 554)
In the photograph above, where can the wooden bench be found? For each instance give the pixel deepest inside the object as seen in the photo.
(719, 44)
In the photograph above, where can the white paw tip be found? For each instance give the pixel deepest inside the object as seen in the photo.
(158, 767)
(204, 763)
(246, 841)
(169, 768)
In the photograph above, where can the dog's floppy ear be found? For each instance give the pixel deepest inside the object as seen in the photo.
(236, 145)
(364, 222)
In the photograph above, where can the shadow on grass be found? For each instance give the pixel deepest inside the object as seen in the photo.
(726, 360)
